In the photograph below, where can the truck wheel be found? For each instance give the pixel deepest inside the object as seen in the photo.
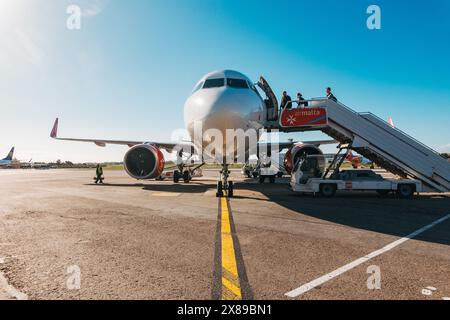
(405, 191)
(272, 179)
(176, 176)
(255, 174)
(383, 193)
(262, 179)
(327, 190)
(280, 174)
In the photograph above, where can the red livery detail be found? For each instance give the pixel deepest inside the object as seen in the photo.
(54, 132)
(304, 117)
(144, 161)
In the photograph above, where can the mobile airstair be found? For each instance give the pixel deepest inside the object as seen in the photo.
(371, 137)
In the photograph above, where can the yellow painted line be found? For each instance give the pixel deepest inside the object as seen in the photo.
(234, 292)
(165, 194)
(230, 278)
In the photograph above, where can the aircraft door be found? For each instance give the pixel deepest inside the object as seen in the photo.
(270, 101)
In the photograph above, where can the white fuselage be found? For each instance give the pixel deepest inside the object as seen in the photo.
(218, 106)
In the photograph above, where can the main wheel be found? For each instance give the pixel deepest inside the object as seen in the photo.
(176, 176)
(405, 191)
(262, 179)
(272, 179)
(280, 174)
(327, 190)
(230, 189)
(186, 176)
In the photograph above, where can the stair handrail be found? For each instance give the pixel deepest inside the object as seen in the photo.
(402, 132)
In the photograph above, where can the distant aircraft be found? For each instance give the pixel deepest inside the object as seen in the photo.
(221, 100)
(7, 161)
(391, 122)
(356, 160)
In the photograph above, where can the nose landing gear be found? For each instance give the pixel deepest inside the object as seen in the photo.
(225, 186)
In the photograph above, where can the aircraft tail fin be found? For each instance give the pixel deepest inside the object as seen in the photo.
(391, 122)
(54, 132)
(10, 155)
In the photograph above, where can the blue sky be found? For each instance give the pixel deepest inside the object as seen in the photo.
(128, 71)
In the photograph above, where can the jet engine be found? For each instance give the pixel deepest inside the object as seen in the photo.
(301, 152)
(144, 161)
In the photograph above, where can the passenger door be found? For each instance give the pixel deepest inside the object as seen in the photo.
(271, 101)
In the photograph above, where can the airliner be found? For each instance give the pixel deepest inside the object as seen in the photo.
(7, 161)
(220, 100)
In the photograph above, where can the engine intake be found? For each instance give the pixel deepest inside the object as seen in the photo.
(144, 162)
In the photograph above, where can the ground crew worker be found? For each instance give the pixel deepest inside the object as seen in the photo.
(98, 174)
(301, 103)
(330, 95)
(286, 101)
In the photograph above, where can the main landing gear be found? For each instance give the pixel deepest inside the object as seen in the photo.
(185, 171)
(185, 175)
(224, 186)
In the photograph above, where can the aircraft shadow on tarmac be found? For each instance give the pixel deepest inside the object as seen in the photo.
(191, 187)
(365, 210)
(361, 210)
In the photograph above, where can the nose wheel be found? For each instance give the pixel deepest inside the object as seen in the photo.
(224, 186)
(219, 193)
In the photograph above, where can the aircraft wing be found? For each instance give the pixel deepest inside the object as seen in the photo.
(288, 144)
(102, 143)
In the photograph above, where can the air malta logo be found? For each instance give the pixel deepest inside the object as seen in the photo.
(304, 117)
(291, 120)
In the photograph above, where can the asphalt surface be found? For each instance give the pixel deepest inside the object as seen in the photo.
(62, 237)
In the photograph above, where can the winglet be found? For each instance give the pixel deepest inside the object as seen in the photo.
(54, 133)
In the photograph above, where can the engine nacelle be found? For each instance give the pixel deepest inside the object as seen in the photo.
(144, 161)
(301, 151)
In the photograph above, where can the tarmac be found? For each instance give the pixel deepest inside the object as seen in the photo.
(63, 237)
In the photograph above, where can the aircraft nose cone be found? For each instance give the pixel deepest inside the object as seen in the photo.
(221, 109)
(228, 110)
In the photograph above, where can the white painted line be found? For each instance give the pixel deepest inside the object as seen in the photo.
(10, 290)
(165, 194)
(319, 281)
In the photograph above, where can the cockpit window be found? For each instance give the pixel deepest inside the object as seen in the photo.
(214, 83)
(197, 87)
(237, 83)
